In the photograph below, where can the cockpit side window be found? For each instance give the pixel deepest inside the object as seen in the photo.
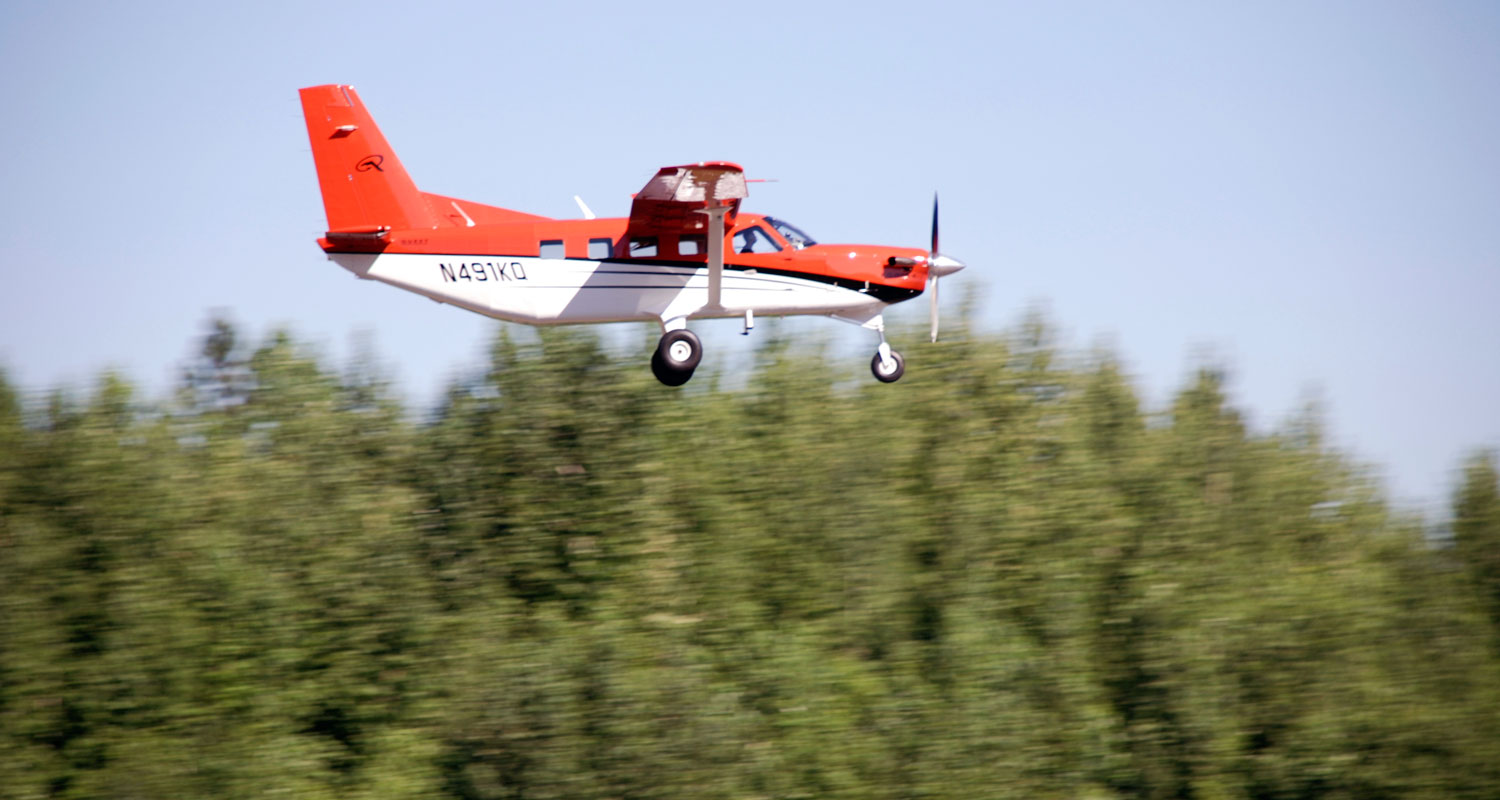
(791, 233)
(755, 240)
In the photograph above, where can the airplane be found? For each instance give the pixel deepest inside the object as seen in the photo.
(685, 252)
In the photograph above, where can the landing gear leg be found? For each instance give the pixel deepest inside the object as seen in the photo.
(887, 364)
(676, 356)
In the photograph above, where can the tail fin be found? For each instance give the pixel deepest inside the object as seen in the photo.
(365, 188)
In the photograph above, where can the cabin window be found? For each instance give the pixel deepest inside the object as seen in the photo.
(552, 248)
(600, 248)
(690, 245)
(643, 247)
(755, 240)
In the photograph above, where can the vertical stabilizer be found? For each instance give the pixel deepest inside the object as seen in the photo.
(365, 188)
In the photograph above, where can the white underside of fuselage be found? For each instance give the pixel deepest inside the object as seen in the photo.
(551, 291)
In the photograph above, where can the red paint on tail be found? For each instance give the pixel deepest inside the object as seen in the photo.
(365, 188)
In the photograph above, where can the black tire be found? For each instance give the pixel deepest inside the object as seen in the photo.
(891, 376)
(680, 350)
(666, 375)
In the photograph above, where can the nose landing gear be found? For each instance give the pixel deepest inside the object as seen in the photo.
(888, 365)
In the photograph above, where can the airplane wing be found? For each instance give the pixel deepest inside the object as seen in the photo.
(671, 199)
(692, 198)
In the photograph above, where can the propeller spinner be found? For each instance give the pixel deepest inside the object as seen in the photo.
(938, 265)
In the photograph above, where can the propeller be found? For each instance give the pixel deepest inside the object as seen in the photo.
(938, 265)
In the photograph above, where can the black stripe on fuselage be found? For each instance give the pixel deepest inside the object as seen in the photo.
(879, 291)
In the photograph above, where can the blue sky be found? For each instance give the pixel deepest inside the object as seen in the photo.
(1308, 193)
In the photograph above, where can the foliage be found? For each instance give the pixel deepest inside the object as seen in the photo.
(999, 578)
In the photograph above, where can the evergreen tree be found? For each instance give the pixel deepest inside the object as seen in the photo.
(1476, 530)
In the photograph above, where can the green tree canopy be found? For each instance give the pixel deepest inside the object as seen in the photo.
(1001, 577)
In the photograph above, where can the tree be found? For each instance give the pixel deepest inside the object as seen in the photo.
(1476, 530)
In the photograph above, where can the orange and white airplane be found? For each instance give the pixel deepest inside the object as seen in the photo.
(685, 252)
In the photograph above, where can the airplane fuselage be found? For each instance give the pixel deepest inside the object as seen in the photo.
(472, 270)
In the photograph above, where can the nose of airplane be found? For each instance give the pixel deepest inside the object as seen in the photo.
(940, 265)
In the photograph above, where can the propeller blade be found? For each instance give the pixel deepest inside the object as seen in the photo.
(934, 306)
(932, 277)
(934, 250)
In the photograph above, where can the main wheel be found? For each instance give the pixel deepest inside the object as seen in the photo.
(680, 350)
(676, 356)
(667, 375)
(891, 373)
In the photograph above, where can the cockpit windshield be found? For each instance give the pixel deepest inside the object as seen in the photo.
(791, 233)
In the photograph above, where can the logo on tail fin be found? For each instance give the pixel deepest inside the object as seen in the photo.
(370, 162)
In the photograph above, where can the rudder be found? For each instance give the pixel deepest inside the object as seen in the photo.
(365, 188)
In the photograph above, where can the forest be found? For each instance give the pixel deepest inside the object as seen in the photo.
(1002, 577)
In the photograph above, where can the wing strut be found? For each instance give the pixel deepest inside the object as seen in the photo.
(715, 254)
